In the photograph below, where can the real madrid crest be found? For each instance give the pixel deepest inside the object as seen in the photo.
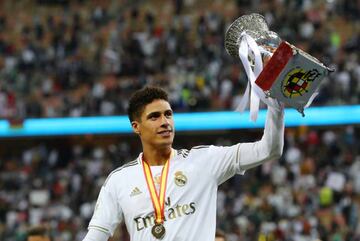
(180, 179)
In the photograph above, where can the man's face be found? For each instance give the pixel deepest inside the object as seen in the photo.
(156, 124)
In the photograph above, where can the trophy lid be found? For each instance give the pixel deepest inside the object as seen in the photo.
(254, 25)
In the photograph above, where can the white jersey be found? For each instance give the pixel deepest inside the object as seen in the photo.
(191, 193)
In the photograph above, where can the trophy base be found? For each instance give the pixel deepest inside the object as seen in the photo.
(292, 76)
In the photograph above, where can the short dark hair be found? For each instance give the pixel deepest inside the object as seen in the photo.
(143, 97)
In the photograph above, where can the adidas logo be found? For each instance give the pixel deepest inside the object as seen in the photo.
(135, 191)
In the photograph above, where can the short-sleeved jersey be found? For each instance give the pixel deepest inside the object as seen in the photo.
(191, 194)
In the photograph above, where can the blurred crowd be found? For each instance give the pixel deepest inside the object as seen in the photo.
(311, 193)
(83, 58)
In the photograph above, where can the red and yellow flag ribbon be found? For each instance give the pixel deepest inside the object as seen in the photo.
(158, 200)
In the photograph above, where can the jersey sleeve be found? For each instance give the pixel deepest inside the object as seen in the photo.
(223, 162)
(96, 235)
(107, 213)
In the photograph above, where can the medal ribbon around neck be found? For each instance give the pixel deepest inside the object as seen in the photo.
(158, 201)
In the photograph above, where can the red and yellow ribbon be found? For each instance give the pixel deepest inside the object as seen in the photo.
(158, 200)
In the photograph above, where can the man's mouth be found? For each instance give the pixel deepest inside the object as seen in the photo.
(165, 132)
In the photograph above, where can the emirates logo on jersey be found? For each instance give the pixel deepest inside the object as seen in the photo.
(171, 212)
(180, 179)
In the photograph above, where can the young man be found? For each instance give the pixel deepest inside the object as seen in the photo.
(171, 194)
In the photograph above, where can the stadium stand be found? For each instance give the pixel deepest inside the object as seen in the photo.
(83, 58)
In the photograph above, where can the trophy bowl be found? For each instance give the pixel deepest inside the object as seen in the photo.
(254, 25)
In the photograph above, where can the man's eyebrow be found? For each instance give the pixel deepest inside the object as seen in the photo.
(152, 114)
(157, 113)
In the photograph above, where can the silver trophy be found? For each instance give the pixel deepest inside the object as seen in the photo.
(289, 74)
(255, 25)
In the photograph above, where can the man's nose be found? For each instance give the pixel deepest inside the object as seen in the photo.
(164, 120)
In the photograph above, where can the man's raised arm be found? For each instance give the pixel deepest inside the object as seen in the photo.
(271, 144)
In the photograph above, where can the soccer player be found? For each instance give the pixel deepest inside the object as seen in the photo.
(171, 194)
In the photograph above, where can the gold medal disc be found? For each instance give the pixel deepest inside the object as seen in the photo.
(158, 231)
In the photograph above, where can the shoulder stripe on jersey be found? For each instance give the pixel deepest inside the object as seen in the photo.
(105, 230)
(201, 147)
(132, 163)
(129, 164)
(183, 152)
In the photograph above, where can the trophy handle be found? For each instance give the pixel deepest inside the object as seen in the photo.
(301, 111)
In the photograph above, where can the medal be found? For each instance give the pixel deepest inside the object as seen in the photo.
(158, 200)
(158, 231)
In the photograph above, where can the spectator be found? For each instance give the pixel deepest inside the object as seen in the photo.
(220, 235)
(39, 233)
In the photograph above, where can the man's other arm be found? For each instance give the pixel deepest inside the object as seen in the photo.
(96, 235)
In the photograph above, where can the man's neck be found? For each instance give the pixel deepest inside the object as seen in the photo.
(157, 157)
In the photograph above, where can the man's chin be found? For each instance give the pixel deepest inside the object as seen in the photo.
(168, 143)
(165, 143)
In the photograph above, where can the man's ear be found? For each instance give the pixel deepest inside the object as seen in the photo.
(136, 127)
